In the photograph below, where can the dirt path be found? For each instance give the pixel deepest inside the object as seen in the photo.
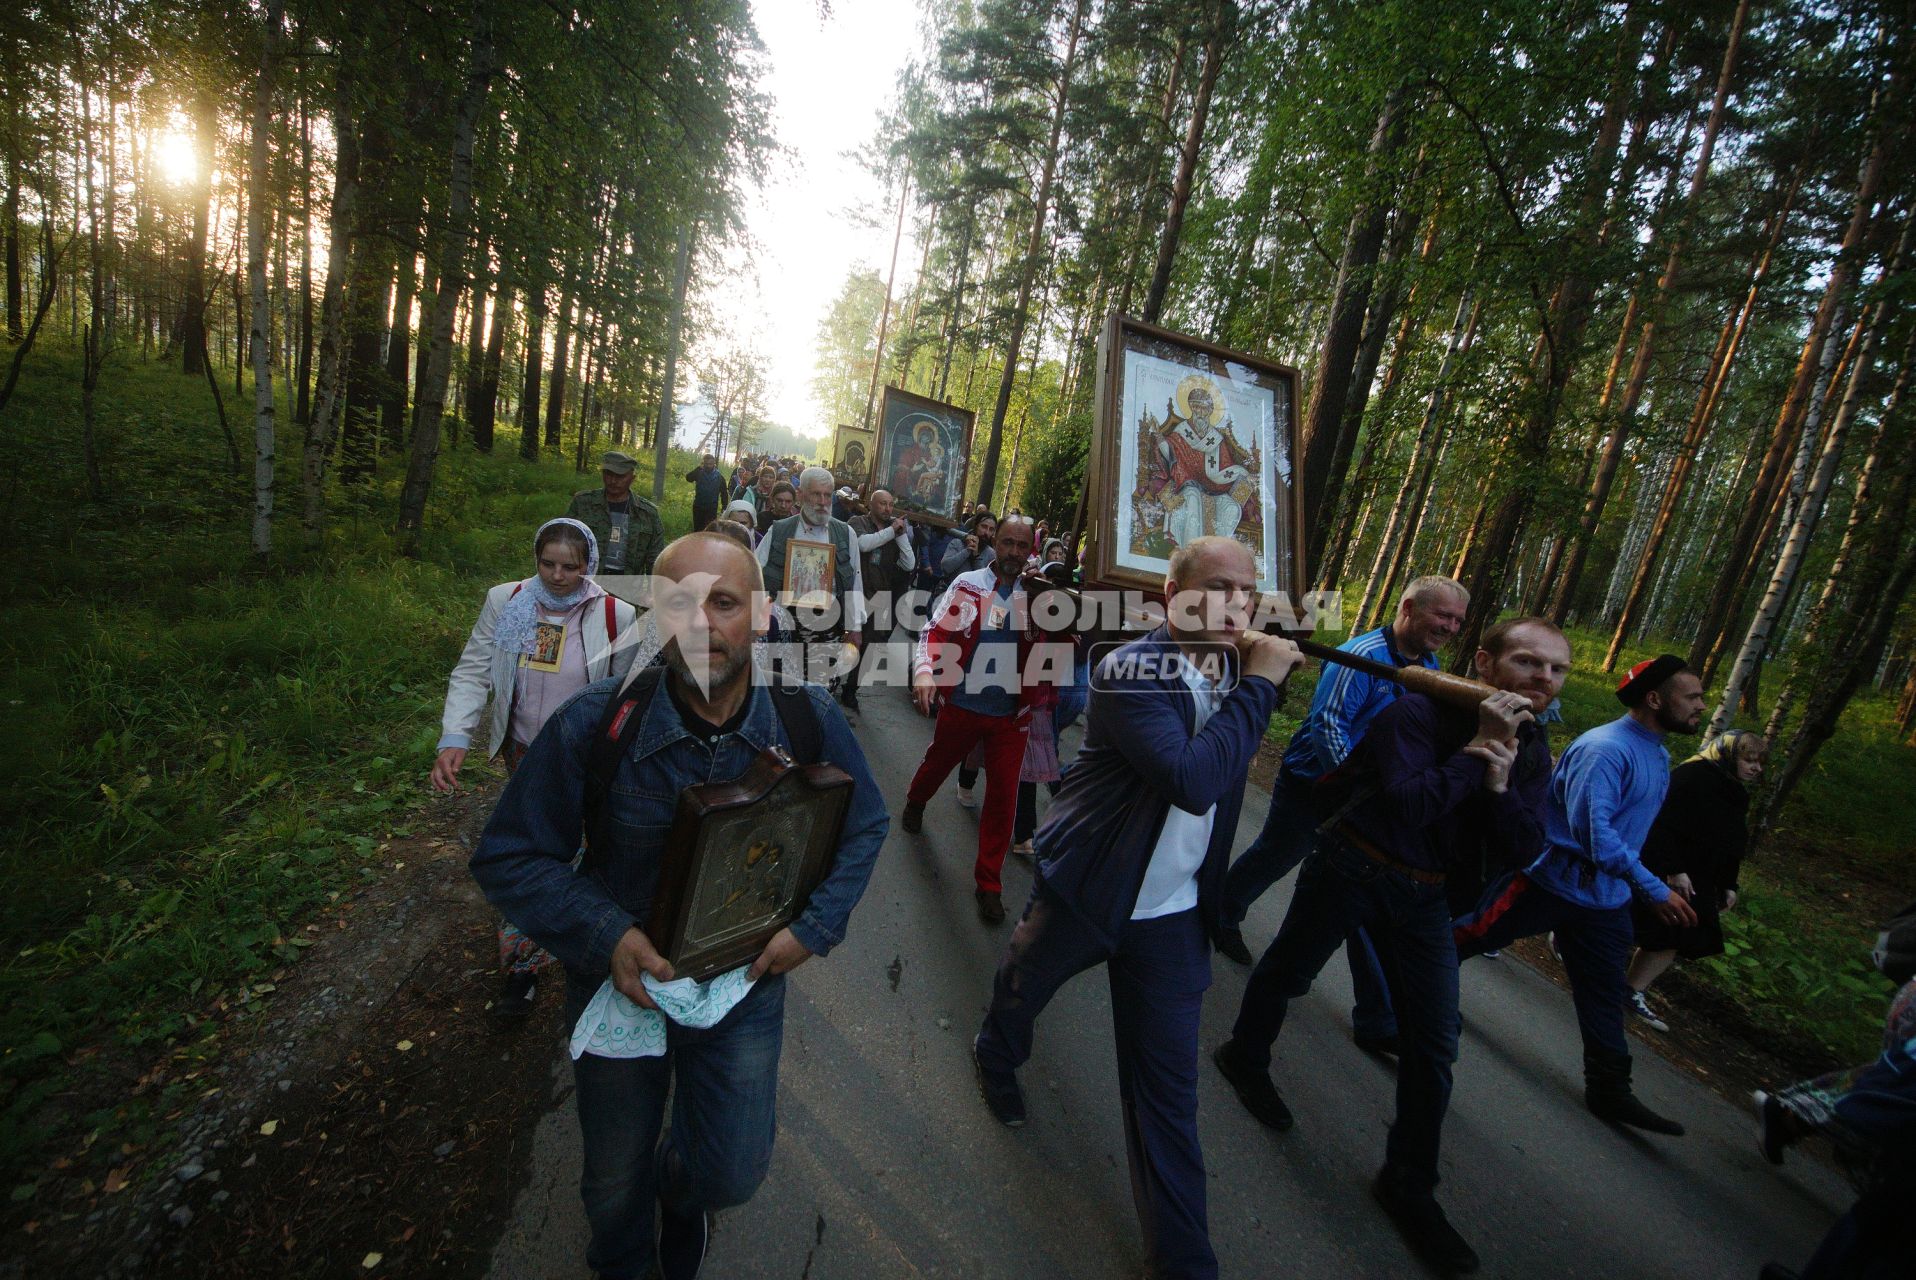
(369, 1106)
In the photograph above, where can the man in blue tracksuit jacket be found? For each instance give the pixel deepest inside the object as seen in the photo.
(1603, 797)
(1346, 701)
(1131, 875)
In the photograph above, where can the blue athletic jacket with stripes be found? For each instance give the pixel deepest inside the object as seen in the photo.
(1345, 703)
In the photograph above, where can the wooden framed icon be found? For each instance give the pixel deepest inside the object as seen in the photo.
(852, 454)
(811, 574)
(923, 453)
(742, 859)
(1190, 439)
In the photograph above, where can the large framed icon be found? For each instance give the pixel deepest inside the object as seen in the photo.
(852, 454)
(923, 453)
(1190, 439)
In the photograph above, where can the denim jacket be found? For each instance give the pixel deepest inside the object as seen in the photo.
(524, 858)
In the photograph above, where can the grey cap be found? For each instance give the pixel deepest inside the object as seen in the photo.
(619, 464)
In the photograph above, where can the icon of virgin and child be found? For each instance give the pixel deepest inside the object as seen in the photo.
(1194, 478)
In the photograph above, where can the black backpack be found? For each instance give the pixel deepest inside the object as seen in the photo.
(625, 711)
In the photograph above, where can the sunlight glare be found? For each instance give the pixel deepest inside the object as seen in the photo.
(174, 155)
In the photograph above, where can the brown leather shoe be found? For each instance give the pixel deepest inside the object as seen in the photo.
(991, 907)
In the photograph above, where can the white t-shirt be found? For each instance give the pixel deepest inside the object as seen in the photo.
(1170, 882)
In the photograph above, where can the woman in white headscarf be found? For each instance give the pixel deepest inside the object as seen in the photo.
(538, 641)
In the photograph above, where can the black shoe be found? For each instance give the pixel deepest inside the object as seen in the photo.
(1230, 944)
(913, 818)
(1254, 1087)
(1383, 1046)
(849, 700)
(991, 906)
(1425, 1228)
(1001, 1091)
(1774, 1132)
(1624, 1107)
(683, 1240)
(515, 1002)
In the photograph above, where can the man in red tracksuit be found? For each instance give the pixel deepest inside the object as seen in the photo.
(972, 660)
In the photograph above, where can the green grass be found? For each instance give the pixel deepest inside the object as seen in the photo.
(1814, 897)
(204, 750)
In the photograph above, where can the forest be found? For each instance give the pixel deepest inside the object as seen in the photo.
(1599, 305)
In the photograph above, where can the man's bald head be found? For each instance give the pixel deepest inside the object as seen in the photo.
(709, 553)
(1190, 561)
(1208, 589)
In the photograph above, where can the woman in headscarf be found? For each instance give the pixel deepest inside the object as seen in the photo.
(1696, 845)
(538, 641)
(745, 515)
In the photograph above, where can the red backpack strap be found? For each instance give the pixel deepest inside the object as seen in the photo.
(611, 620)
(516, 588)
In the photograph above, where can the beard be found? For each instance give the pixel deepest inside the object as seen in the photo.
(719, 669)
(1669, 722)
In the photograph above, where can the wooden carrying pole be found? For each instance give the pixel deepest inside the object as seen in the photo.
(1439, 686)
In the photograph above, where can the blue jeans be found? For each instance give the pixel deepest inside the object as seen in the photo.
(1290, 830)
(1595, 942)
(1338, 890)
(723, 1123)
(1158, 974)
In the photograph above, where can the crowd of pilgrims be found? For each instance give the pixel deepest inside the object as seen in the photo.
(1427, 833)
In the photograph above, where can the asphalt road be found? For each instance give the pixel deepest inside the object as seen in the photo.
(888, 1164)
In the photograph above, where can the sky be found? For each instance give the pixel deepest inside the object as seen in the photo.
(820, 214)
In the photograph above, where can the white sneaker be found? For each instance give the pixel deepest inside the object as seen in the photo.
(1645, 1015)
(967, 797)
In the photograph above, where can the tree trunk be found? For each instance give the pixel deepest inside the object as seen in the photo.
(535, 352)
(193, 314)
(1809, 511)
(1223, 19)
(1623, 420)
(1338, 502)
(452, 279)
(475, 326)
(1871, 619)
(303, 366)
(1028, 268)
(884, 317)
(342, 218)
(1363, 241)
(16, 294)
(674, 325)
(561, 369)
(1723, 361)
(392, 403)
(1743, 543)
(485, 408)
(1393, 547)
(957, 305)
(264, 447)
(1555, 359)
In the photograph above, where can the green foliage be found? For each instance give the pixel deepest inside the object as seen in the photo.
(206, 751)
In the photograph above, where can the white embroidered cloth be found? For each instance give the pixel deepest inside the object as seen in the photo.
(612, 1026)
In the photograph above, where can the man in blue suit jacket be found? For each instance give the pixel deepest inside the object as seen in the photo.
(1131, 875)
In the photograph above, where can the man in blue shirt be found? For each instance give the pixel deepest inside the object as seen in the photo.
(708, 720)
(1346, 701)
(1604, 795)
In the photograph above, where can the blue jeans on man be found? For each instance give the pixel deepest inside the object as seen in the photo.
(1339, 890)
(1290, 830)
(723, 1082)
(1158, 974)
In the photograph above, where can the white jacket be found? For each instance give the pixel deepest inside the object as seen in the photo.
(482, 668)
